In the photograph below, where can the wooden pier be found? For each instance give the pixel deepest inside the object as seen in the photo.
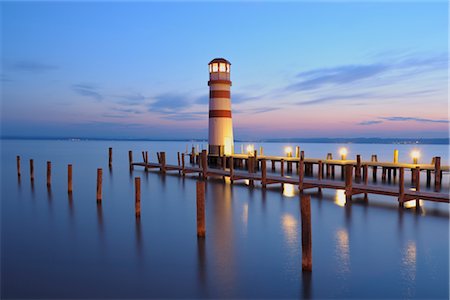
(354, 173)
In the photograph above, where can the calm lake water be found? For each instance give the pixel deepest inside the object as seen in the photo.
(56, 246)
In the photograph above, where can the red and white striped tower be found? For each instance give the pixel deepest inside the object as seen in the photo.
(220, 137)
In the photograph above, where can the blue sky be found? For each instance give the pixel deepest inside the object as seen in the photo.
(299, 69)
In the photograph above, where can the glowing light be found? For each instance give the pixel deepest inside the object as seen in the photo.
(343, 152)
(289, 190)
(288, 151)
(339, 198)
(412, 203)
(250, 149)
(415, 155)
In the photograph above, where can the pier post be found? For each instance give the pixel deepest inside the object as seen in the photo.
(389, 173)
(282, 167)
(231, 169)
(179, 163)
(401, 187)
(18, 165)
(201, 230)
(305, 208)
(301, 173)
(162, 157)
(319, 174)
(383, 174)
(110, 157)
(417, 170)
(137, 202)
(146, 161)
(192, 157)
(204, 159)
(366, 178)
(358, 168)
(348, 182)
(69, 179)
(49, 173)
(374, 168)
(395, 156)
(437, 173)
(263, 173)
(329, 157)
(428, 178)
(289, 166)
(251, 169)
(130, 159)
(32, 170)
(183, 171)
(273, 165)
(99, 184)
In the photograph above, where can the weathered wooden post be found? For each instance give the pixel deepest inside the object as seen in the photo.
(162, 156)
(99, 184)
(110, 157)
(273, 165)
(49, 173)
(348, 182)
(329, 157)
(201, 228)
(301, 172)
(231, 169)
(383, 174)
(130, 159)
(395, 156)
(366, 178)
(69, 179)
(437, 173)
(319, 174)
(137, 203)
(204, 164)
(358, 167)
(18, 165)
(401, 187)
(146, 161)
(417, 185)
(282, 167)
(183, 171)
(179, 163)
(305, 208)
(32, 170)
(263, 173)
(192, 155)
(389, 174)
(374, 168)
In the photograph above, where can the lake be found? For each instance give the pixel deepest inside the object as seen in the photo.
(59, 246)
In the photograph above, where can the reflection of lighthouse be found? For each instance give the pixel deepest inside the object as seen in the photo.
(220, 124)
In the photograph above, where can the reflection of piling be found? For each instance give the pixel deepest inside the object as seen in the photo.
(49, 173)
(201, 231)
(18, 165)
(110, 157)
(99, 184)
(305, 208)
(31, 170)
(137, 205)
(69, 179)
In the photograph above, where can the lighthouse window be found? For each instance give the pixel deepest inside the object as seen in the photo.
(228, 68)
(215, 67)
(210, 68)
(222, 67)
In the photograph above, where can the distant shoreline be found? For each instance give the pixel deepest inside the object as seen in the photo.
(406, 141)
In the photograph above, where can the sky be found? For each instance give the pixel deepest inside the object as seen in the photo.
(299, 69)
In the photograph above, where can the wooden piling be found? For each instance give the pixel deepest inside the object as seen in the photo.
(301, 173)
(183, 171)
(348, 182)
(282, 167)
(263, 173)
(383, 174)
(401, 187)
(99, 184)
(110, 157)
(146, 161)
(305, 209)
(319, 174)
(358, 167)
(32, 170)
(191, 160)
(130, 159)
(18, 165)
(179, 162)
(289, 166)
(366, 174)
(428, 178)
(137, 203)
(162, 157)
(204, 164)
(49, 173)
(231, 169)
(273, 165)
(201, 228)
(437, 173)
(417, 170)
(69, 179)
(329, 157)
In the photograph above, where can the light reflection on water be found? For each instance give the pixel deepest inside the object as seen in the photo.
(339, 198)
(343, 250)
(289, 190)
(409, 268)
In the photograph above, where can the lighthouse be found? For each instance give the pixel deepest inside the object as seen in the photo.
(220, 137)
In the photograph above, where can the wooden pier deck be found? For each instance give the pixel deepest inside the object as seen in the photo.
(352, 184)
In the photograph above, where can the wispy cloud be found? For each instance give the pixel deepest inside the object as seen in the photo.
(371, 122)
(31, 66)
(258, 110)
(169, 103)
(422, 120)
(131, 99)
(87, 90)
(334, 98)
